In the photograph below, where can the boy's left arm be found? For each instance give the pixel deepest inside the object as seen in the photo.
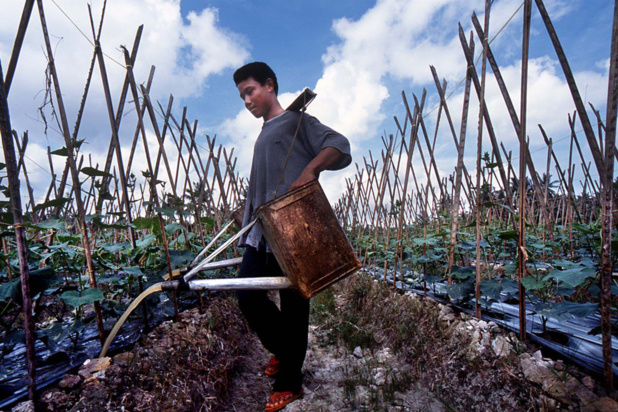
(325, 159)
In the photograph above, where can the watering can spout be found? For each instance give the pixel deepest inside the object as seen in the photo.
(264, 283)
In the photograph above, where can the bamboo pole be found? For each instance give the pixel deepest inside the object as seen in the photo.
(74, 171)
(414, 122)
(113, 122)
(522, 255)
(479, 148)
(21, 149)
(608, 205)
(20, 234)
(119, 111)
(152, 179)
(140, 116)
(160, 134)
(459, 170)
(479, 88)
(19, 40)
(579, 105)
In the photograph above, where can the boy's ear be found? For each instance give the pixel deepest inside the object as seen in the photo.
(270, 83)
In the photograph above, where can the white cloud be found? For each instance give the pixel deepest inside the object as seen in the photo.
(393, 42)
(185, 52)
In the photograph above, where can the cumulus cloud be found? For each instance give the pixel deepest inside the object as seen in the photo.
(392, 43)
(186, 51)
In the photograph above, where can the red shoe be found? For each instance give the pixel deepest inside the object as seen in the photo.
(272, 368)
(278, 400)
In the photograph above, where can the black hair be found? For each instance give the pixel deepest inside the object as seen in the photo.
(259, 71)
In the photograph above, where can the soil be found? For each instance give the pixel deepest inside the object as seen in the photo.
(371, 348)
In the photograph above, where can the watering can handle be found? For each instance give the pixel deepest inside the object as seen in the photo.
(220, 249)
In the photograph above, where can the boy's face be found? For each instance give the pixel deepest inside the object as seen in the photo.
(258, 98)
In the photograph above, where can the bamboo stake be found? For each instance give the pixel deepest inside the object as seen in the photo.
(579, 105)
(113, 122)
(160, 136)
(608, 205)
(420, 151)
(20, 234)
(19, 39)
(479, 146)
(140, 118)
(579, 150)
(80, 111)
(522, 255)
(458, 171)
(414, 122)
(74, 172)
(152, 180)
(119, 111)
(21, 149)
(479, 88)
(443, 103)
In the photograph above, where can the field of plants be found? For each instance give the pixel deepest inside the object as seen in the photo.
(517, 244)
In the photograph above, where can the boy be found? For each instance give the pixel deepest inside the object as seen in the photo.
(291, 150)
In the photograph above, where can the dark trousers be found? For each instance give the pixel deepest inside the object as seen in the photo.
(282, 332)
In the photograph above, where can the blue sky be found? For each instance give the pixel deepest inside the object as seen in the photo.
(357, 54)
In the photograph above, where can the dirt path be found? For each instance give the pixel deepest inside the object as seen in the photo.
(327, 386)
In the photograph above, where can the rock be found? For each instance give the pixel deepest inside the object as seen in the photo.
(588, 382)
(501, 347)
(601, 404)
(486, 339)
(446, 314)
(27, 406)
(579, 392)
(55, 400)
(534, 369)
(384, 355)
(358, 352)
(92, 366)
(493, 327)
(546, 403)
(562, 387)
(559, 366)
(379, 378)
(476, 336)
(69, 381)
(538, 355)
(482, 324)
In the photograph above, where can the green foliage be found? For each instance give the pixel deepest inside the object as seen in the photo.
(41, 280)
(76, 299)
(150, 223)
(92, 172)
(462, 290)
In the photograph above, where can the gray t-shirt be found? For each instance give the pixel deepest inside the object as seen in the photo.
(269, 154)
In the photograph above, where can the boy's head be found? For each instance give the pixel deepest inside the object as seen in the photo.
(259, 71)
